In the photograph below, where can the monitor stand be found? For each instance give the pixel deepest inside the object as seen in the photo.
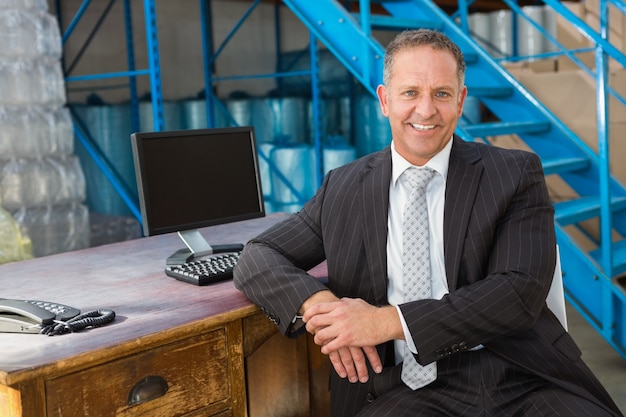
(197, 247)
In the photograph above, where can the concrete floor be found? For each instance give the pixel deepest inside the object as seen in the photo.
(606, 363)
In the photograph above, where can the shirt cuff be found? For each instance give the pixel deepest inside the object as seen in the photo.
(407, 334)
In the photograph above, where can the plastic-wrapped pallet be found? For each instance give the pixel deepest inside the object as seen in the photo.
(32, 81)
(29, 32)
(35, 131)
(55, 228)
(42, 184)
(14, 246)
(24, 4)
(30, 182)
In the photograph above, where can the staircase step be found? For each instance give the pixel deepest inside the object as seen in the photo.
(505, 128)
(561, 165)
(470, 57)
(383, 22)
(574, 211)
(619, 257)
(491, 91)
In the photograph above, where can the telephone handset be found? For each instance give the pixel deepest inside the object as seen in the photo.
(30, 316)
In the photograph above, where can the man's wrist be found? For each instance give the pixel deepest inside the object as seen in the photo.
(319, 297)
(393, 320)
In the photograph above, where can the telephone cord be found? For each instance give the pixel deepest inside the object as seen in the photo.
(82, 321)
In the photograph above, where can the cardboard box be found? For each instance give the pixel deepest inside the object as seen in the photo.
(571, 95)
(615, 36)
(571, 39)
(617, 146)
(534, 66)
(617, 19)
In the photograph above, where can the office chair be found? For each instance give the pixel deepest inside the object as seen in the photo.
(556, 295)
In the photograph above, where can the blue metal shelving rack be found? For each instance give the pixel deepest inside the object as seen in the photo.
(153, 71)
(213, 103)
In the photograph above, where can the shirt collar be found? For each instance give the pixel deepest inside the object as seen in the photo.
(439, 162)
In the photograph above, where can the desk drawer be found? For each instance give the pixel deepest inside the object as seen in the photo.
(171, 380)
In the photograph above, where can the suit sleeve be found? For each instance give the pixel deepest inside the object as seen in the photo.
(272, 269)
(507, 263)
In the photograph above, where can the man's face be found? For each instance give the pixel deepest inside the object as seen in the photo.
(423, 100)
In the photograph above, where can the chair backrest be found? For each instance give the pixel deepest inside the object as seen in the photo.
(556, 295)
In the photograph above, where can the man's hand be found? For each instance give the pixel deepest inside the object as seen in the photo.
(351, 322)
(349, 362)
(348, 331)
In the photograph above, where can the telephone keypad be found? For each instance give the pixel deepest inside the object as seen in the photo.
(62, 312)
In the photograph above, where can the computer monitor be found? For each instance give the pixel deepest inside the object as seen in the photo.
(189, 179)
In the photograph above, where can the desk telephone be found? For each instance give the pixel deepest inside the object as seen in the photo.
(33, 316)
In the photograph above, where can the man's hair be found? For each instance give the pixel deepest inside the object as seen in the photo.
(420, 37)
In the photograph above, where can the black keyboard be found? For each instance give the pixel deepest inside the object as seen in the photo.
(213, 268)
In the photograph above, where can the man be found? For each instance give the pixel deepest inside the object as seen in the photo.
(485, 335)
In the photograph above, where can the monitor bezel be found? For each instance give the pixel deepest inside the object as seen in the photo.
(146, 209)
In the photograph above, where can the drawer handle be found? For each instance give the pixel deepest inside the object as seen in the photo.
(148, 389)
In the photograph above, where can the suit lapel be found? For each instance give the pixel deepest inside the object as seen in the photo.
(375, 203)
(463, 177)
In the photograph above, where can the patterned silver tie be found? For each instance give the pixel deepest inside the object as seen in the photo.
(416, 266)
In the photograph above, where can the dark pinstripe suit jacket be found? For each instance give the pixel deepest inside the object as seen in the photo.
(499, 247)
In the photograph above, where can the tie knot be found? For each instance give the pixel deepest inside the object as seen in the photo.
(419, 177)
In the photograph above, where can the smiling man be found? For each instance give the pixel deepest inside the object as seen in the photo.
(424, 100)
(482, 332)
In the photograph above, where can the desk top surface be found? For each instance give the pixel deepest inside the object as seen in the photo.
(126, 277)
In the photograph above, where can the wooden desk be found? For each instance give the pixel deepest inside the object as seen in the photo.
(194, 339)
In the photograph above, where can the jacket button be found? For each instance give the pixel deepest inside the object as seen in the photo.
(369, 397)
(440, 353)
(273, 318)
(455, 348)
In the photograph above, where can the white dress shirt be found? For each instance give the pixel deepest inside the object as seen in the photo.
(399, 191)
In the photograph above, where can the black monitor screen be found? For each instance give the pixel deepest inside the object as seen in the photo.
(196, 178)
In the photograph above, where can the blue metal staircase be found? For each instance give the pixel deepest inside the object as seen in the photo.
(595, 281)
